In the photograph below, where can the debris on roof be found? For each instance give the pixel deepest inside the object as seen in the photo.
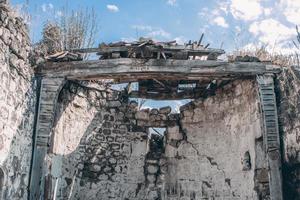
(64, 56)
(146, 48)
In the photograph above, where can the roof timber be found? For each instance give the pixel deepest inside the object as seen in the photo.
(104, 50)
(141, 69)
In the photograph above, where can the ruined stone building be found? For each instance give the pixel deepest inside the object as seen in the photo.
(64, 134)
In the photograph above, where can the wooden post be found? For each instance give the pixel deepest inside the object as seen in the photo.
(271, 134)
(49, 91)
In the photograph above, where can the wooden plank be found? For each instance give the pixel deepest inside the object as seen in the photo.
(166, 96)
(170, 95)
(271, 134)
(50, 88)
(166, 48)
(146, 69)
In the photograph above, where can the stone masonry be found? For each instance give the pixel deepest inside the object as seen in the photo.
(17, 106)
(107, 152)
(288, 93)
(100, 145)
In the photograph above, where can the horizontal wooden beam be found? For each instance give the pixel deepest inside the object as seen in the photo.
(167, 49)
(167, 95)
(141, 69)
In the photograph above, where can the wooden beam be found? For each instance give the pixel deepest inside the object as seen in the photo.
(139, 69)
(271, 134)
(165, 48)
(49, 91)
(167, 96)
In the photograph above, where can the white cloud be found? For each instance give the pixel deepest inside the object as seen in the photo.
(215, 16)
(172, 2)
(220, 21)
(267, 11)
(203, 12)
(142, 27)
(224, 6)
(153, 32)
(58, 14)
(281, 48)
(291, 10)
(246, 9)
(238, 29)
(180, 39)
(112, 8)
(47, 6)
(128, 39)
(271, 31)
(159, 33)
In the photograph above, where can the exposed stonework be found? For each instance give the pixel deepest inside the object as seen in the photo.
(108, 153)
(288, 93)
(103, 153)
(101, 146)
(218, 132)
(17, 106)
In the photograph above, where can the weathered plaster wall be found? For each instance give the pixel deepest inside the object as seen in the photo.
(218, 131)
(17, 101)
(94, 154)
(288, 93)
(102, 149)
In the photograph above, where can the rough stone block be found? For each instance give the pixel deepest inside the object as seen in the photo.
(4, 112)
(174, 133)
(165, 110)
(114, 104)
(6, 36)
(152, 169)
(154, 111)
(142, 115)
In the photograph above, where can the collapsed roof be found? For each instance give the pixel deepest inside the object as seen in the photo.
(145, 48)
(164, 70)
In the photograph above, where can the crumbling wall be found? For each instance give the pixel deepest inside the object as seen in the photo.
(288, 99)
(102, 148)
(17, 105)
(215, 153)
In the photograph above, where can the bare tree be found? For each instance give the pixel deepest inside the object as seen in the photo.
(52, 38)
(79, 29)
(72, 30)
(297, 43)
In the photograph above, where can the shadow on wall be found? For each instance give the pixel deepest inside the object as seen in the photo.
(99, 153)
(15, 170)
(288, 101)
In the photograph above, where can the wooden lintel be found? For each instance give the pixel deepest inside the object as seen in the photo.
(166, 49)
(139, 69)
(167, 96)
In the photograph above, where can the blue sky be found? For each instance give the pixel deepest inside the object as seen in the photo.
(227, 23)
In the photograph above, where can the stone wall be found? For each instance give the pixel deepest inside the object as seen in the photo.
(17, 105)
(102, 148)
(218, 156)
(99, 147)
(288, 94)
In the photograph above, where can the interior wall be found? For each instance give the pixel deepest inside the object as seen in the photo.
(288, 99)
(102, 148)
(220, 132)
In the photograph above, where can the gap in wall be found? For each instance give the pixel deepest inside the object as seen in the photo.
(157, 104)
